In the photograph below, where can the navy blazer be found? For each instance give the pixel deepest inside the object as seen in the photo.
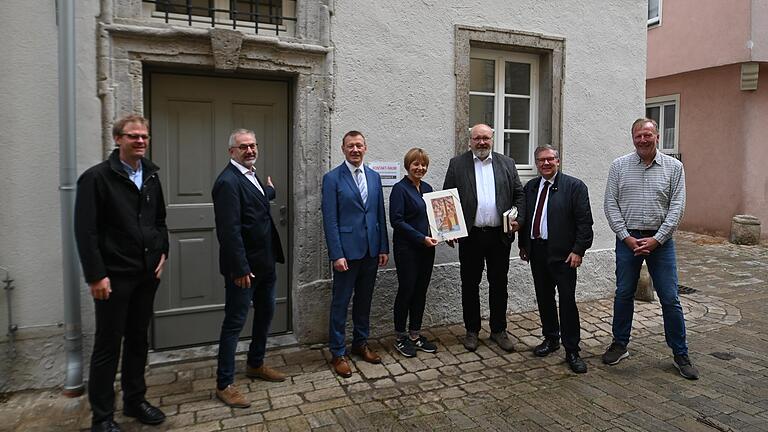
(248, 239)
(408, 213)
(569, 217)
(353, 230)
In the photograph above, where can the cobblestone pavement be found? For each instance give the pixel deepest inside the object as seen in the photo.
(727, 320)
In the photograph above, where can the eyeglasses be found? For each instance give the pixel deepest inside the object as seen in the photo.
(136, 136)
(546, 159)
(482, 138)
(244, 147)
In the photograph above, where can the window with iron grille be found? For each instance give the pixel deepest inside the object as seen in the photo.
(258, 15)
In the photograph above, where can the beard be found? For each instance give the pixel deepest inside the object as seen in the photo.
(481, 153)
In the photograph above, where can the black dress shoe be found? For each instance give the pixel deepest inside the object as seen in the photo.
(546, 347)
(105, 426)
(576, 363)
(145, 413)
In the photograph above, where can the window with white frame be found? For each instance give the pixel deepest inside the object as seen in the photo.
(665, 110)
(654, 12)
(503, 94)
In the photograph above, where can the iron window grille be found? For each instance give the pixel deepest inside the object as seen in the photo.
(245, 14)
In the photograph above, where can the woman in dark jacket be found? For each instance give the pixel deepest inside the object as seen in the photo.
(414, 251)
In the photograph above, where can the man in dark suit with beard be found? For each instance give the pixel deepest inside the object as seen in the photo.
(488, 186)
(249, 246)
(556, 234)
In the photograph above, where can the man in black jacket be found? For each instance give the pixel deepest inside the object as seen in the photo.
(556, 234)
(123, 244)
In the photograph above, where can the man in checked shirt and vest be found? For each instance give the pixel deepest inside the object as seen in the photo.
(644, 202)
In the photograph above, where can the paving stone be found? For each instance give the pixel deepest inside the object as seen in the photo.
(490, 389)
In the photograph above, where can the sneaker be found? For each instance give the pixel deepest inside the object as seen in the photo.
(615, 353)
(405, 346)
(232, 397)
(470, 341)
(422, 344)
(686, 368)
(502, 339)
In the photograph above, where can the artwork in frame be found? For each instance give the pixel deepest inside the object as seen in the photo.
(446, 218)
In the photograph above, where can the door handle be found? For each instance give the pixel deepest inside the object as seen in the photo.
(283, 213)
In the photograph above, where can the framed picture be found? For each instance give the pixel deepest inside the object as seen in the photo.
(446, 218)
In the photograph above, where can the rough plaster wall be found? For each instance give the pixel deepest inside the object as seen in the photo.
(30, 242)
(394, 80)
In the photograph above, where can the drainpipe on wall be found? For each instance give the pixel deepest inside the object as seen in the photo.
(73, 339)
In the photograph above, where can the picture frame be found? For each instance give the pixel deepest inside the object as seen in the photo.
(446, 217)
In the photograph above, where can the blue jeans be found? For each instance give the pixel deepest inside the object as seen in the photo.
(358, 280)
(663, 269)
(262, 295)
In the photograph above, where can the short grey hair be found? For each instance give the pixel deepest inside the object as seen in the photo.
(237, 132)
(545, 147)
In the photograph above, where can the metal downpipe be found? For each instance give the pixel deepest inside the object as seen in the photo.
(73, 338)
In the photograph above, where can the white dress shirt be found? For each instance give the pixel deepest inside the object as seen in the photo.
(487, 215)
(544, 233)
(249, 174)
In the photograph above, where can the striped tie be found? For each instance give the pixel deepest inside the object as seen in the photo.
(361, 185)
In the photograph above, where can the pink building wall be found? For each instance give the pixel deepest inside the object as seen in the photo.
(756, 150)
(697, 52)
(698, 34)
(722, 135)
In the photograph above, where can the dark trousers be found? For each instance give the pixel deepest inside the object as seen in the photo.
(358, 280)
(238, 301)
(123, 318)
(546, 276)
(414, 271)
(484, 246)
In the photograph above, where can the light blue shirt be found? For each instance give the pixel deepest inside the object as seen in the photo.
(137, 176)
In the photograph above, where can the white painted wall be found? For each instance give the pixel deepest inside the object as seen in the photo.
(394, 79)
(30, 234)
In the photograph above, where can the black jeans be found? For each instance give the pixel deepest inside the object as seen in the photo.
(481, 247)
(122, 319)
(546, 276)
(414, 271)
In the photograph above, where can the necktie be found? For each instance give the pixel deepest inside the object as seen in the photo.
(361, 185)
(539, 211)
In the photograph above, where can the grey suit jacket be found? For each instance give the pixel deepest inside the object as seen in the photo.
(509, 190)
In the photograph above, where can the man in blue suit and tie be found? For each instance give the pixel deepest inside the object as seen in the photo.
(356, 235)
(249, 246)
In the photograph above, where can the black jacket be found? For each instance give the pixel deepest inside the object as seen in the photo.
(120, 231)
(569, 217)
(248, 238)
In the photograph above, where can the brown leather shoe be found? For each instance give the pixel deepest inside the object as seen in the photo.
(367, 354)
(341, 366)
(264, 372)
(232, 397)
